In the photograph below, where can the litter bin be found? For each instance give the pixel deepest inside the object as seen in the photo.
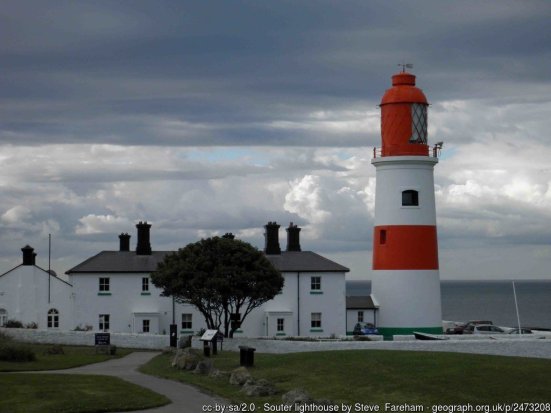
(246, 356)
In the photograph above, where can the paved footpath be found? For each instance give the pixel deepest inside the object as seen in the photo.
(185, 398)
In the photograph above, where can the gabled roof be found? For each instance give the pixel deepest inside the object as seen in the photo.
(52, 273)
(130, 262)
(360, 302)
(304, 261)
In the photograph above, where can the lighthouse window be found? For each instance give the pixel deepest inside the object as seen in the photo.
(382, 236)
(410, 198)
(419, 123)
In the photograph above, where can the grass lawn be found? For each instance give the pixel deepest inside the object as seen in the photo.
(59, 393)
(378, 377)
(74, 356)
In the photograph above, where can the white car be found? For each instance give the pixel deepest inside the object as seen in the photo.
(487, 329)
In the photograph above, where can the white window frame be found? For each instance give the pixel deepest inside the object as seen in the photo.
(104, 322)
(104, 284)
(187, 321)
(145, 284)
(280, 325)
(315, 320)
(53, 318)
(146, 325)
(360, 316)
(315, 283)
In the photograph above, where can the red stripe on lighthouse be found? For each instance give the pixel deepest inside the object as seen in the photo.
(405, 247)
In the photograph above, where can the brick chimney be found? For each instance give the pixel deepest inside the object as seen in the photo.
(293, 238)
(271, 237)
(124, 239)
(143, 246)
(29, 256)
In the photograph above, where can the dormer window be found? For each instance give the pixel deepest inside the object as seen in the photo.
(418, 123)
(410, 197)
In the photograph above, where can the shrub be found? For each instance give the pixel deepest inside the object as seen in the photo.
(4, 337)
(13, 324)
(11, 352)
(86, 327)
(31, 325)
(55, 349)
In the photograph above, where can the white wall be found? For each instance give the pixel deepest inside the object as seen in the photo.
(24, 295)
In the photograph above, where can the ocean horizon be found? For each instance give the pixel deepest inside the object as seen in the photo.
(493, 300)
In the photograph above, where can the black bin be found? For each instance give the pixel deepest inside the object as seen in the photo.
(246, 356)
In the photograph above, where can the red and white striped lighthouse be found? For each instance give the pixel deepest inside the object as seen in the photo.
(406, 280)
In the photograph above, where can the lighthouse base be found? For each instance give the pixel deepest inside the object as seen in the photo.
(409, 300)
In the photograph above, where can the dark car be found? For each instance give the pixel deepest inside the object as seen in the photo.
(364, 329)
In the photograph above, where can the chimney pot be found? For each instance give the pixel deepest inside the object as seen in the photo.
(293, 238)
(143, 246)
(29, 256)
(271, 237)
(124, 239)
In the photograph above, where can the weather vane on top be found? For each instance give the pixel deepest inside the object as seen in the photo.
(405, 66)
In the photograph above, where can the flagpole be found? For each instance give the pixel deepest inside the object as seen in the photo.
(516, 306)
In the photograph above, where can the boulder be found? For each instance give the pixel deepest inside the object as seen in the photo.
(239, 376)
(296, 396)
(186, 359)
(219, 374)
(260, 387)
(203, 367)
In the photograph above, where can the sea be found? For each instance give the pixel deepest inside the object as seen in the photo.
(488, 300)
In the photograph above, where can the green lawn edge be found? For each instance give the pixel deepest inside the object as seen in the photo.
(64, 393)
(379, 377)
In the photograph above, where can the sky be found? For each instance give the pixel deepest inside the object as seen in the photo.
(207, 117)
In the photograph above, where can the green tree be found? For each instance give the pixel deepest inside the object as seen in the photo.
(221, 277)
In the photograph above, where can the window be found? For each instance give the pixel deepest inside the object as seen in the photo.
(280, 325)
(53, 318)
(419, 123)
(186, 322)
(104, 284)
(145, 284)
(104, 322)
(410, 198)
(382, 237)
(145, 326)
(315, 320)
(3, 317)
(315, 283)
(360, 316)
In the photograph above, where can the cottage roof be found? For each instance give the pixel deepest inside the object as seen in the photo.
(130, 262)
(361, 302)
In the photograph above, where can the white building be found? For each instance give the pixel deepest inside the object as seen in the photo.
(113, 292)
(32, 295)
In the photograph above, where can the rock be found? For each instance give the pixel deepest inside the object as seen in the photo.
(239, 376)
(296, 396)
(186, 359)
(219, 374)
(203, 367)
(261, 387)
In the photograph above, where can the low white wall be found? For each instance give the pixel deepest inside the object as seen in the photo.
(86, 338)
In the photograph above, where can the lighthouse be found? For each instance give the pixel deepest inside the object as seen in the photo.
(406, 280)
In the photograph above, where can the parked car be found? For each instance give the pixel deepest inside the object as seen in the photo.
(520, 331)
(364, 329)
(487, 329)
(468, 328)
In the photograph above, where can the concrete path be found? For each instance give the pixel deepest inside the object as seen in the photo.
(185, 398)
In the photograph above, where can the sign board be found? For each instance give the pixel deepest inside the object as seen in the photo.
(209, 335)
(102, 339)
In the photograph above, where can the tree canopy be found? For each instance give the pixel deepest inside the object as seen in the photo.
(224, 278)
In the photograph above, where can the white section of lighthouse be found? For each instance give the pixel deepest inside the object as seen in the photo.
(406, 280)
